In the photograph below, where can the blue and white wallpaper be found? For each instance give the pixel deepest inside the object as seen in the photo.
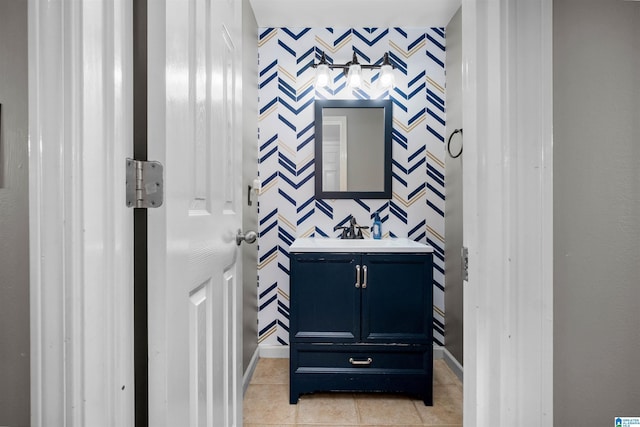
(287, 207)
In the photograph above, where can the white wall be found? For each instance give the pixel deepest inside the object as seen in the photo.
(14, 224)
(597, 211)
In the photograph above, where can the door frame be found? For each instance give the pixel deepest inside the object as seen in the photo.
(81, 244)
(508, 212)
(81, 234)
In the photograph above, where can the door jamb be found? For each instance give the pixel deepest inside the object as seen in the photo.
(81, 273)
(508, 212)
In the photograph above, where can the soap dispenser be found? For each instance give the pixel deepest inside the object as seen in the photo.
(376, 230)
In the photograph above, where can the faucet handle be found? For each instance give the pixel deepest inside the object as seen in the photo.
(344, 233)
(359, 232)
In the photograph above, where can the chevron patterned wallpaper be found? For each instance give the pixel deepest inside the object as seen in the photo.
(287, 207)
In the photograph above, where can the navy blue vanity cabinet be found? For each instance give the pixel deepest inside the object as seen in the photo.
(361, 322)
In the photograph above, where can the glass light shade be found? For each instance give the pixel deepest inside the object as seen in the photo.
(323, 77)
(387, 79)
(354, 77)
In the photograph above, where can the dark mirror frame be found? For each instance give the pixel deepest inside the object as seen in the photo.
(386, 105)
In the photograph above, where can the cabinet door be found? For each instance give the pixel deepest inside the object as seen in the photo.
(325, 303)
(397, 301)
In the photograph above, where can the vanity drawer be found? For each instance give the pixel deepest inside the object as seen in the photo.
(369, 358)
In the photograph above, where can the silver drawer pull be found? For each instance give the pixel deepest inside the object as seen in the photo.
(364, 282)
(360, 362)
(357, 276)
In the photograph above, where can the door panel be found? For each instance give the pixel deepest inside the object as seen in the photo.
(230, 348)
(198, 331)
(397, 302)
(325, 302)
(228, 126)
(194, 343)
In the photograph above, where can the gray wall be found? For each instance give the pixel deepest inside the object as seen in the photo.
(453, 206)
(14, 224)
(596, 67)
(249, 172)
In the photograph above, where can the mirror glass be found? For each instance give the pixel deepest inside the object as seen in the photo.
(353, 149)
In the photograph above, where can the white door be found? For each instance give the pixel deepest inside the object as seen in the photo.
(195, 357)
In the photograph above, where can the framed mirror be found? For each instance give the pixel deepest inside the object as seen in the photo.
(353, 149)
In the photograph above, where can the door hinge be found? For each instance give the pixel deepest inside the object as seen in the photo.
(464, 258)
(144, 184)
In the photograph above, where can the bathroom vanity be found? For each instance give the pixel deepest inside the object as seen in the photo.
(361, 316)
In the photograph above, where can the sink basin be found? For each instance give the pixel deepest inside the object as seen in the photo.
(396, 245)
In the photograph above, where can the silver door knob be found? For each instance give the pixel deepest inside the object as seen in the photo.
(249, 237)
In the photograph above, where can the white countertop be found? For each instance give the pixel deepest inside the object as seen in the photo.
(394, 245)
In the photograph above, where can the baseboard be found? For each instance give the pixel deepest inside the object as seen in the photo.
(437, 351)
(453, 364)
(274, 351)
(248, 374)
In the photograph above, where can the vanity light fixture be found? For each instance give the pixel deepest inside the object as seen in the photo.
(386, 80)
(353, 71)
(323, 77)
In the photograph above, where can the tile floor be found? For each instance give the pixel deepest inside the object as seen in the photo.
(266, 403)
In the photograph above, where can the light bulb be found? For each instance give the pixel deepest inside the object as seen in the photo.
(323, 77)
(386, 79)
(354, 76)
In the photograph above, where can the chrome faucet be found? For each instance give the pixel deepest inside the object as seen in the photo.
(353, 231)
